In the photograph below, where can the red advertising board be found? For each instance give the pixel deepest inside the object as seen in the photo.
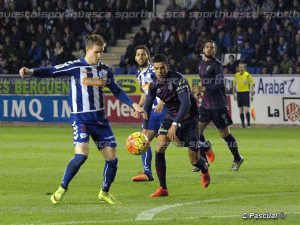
(119, 112)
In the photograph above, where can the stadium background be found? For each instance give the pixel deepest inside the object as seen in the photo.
(264, 34)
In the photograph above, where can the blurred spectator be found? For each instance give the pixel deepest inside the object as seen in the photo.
(173, 65)
(190, 64)
(291, 71)
(22, 53)
(152, 37)
(253, 36)
(282, 47)
(172, 8)
(155, 24)
(296, 46)
(297, 71)
(15, 35)
(269, 63)
(47, 50)
(239, 39)
(267, 6)
(58, 53)
(164, 34)
(156, 48)
(142, 37)
(188, 42)
(176, 48)
(202, 38)
(35, 54)
(247, 52)
(78, 52)
(271, 47)
(231, 65)
(276, 69)
(265, 70)
(198, 24)
(128, 59)
(286, 63)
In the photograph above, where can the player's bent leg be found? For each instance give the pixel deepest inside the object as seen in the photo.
(160, 165)
(81, 154)
(232, 145)
(201, 163)
(203, 150)
(146, 160)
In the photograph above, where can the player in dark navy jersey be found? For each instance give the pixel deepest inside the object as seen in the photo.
(179, 124)
(88, 76)
(145, 76)
(214, 102)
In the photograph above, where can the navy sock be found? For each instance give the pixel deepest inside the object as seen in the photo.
(202, 165)
(248, 118)
(109, 173)
(160, 164)
(232, 145)
(146, 160)
(203, 148)
(72, 168)
(242, 119)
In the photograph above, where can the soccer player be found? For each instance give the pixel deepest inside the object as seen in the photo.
(145, 76)
(179, 124)
(88, 76)
(243, 85)
(214, 102)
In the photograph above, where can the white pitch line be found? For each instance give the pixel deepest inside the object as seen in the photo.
(149, 214)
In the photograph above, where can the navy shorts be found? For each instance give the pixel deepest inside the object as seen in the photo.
(100, 131)
(220, 117)
(156, 120)
(243, 99)
(187, 133)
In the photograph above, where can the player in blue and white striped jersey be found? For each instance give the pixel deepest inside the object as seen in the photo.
(88, 76)
(145, 76)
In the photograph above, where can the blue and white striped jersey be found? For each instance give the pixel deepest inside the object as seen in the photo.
(86, 87)
(145, 78)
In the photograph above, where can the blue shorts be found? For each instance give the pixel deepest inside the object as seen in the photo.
(156, 120)
(100, 131)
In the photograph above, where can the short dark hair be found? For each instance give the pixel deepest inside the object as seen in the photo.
(160, 58)
(210, 41)
(143, 47)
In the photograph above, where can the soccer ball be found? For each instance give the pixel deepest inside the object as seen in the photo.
(137, 143)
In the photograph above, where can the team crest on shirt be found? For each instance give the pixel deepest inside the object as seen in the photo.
(170, 87)
(102, 74)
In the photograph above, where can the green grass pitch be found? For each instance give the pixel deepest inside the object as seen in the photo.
(33, 160)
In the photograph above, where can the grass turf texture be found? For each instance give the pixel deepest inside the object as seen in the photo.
(33, 160)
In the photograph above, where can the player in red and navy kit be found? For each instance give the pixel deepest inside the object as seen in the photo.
(179, 124)
(88, 76)
(145, 75)
(214, 105)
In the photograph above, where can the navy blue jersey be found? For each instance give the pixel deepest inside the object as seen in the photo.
(86, 87)
(212, 78)
(169, 90)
